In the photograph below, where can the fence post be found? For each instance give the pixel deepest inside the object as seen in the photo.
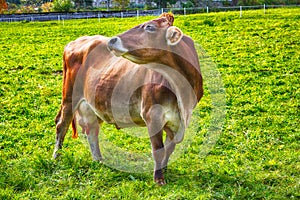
(240, 11)
(137, 14)
(58, 18)
(162, 11)
(206, 9)
(264, 9)
(98, 17)
(122, 15)
(184, 11)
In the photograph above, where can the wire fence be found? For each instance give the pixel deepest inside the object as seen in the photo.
(118, 14)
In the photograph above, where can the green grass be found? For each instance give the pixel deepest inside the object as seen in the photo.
(256, 157)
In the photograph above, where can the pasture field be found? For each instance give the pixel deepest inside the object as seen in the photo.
(257, 155)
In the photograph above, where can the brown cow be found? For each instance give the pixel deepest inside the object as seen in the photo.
(147, 76)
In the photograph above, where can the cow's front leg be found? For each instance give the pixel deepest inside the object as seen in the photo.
(169, 148)
(63, 121)
(154, 121)
(158, 153)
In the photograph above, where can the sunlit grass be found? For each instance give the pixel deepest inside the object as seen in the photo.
(256, 157)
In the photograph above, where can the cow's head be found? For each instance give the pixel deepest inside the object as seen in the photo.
(147, 42)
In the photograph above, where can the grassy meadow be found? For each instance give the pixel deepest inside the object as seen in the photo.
(257, 156)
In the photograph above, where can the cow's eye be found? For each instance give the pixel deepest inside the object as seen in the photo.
(150, 28)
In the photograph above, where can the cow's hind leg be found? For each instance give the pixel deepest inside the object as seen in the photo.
(63, 121)
(92, 132)
(91, 126)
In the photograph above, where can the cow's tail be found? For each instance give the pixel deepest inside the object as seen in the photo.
(74, 129)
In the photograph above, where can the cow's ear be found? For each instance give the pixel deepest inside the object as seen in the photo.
(173, 35)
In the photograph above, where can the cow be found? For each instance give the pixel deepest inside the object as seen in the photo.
(148, 76)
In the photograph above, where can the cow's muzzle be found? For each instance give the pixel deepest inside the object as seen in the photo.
(115, 45)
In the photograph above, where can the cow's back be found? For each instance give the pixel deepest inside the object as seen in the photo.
(77, 51)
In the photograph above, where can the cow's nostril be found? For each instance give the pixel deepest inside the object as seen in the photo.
(113, 41)
(115, 45)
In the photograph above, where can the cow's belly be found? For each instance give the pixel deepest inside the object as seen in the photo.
(122, 115)
(113, 92)
(119, 115)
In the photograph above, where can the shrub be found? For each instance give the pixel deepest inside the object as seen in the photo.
(26, 9)
(62, 5)
(47, 7)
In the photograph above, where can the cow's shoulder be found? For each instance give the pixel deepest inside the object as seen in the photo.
(85, 43)
(77, 50)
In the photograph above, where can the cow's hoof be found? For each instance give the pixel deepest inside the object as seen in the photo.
(160, 181)
(98, 159)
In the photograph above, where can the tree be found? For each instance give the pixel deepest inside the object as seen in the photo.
(32, 2)
(234, 2)
(83, 3)
(3, 6)
(161, 3)
(17, 2)
(188, 4)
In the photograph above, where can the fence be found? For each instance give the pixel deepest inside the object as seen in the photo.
(110, 14)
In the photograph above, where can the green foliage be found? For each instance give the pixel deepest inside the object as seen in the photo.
(62, 5)
(188, 4)
(257, 156)
(122, 4)
(83, 3)
(250, 2)
(267, 2)
(14, 1)
(209, 22)
(32, 2)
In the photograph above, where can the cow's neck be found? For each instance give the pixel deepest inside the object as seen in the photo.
(189, 69)
(184, 78)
